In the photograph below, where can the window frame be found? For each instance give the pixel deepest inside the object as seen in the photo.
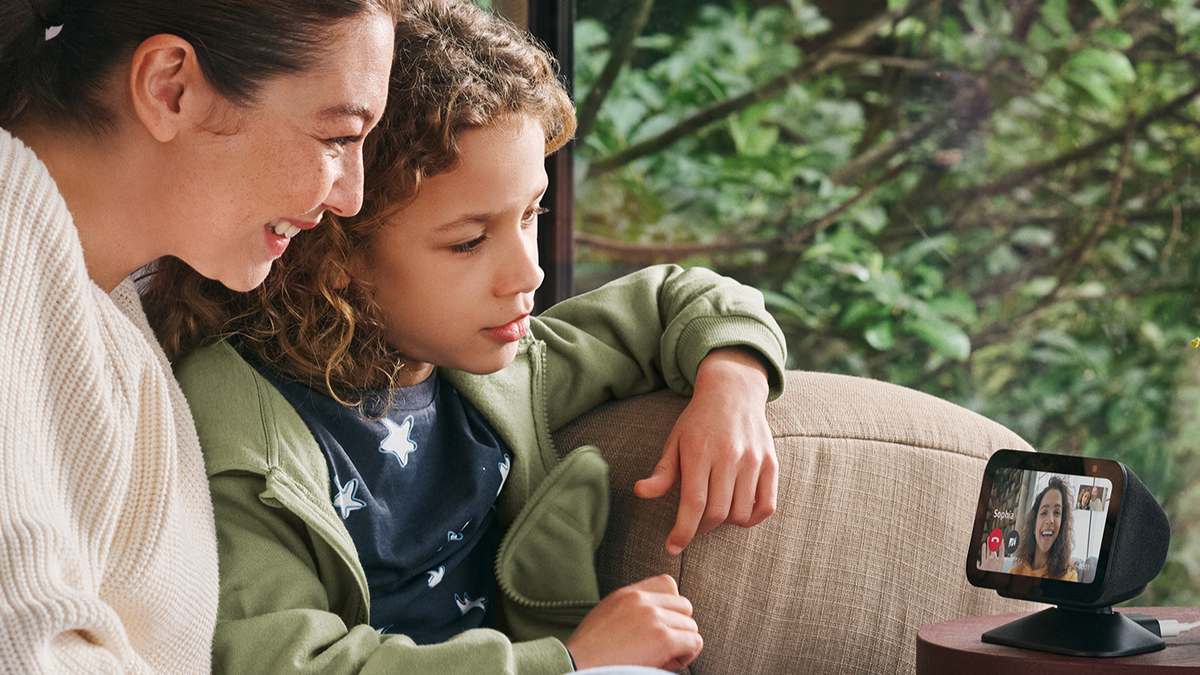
(553, 23)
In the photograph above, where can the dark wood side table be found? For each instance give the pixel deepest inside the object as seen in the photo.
(953, 647)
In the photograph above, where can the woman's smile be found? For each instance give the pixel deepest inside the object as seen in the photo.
(281, 230)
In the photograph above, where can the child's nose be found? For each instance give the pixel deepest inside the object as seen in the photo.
(520, 271)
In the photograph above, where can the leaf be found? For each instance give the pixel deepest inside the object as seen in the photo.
(942, 244)
(1058, 339)
(886, 288)
(1111, 63)
(625, 114)
(880, 336)
(1092, 289)
(946, 338)
(1153, 334)
(1041, 237)
(955, 305)
(1054, 16)
(1096, 85)
(784, 304)
(872, 218)
(855, 270)
(1113, 37)
(1039, 287)
(861, 311)
(759, 141)
(1107, 9)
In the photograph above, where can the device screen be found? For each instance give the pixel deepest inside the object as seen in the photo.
(1044, 524)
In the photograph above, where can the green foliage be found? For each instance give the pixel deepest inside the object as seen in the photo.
(987, 200)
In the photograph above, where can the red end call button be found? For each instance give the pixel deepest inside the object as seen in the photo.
(995, 540)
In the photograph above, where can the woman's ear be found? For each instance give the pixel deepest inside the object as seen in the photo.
(168, 89)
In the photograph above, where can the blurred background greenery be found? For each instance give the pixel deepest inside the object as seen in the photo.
(992, 201)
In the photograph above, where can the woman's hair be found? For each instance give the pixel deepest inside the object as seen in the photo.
(1059, 557)
(59, 57)
(457, 68)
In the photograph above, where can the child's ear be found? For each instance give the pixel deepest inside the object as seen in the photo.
(168, 89)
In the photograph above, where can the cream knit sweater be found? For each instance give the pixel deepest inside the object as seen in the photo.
(108, 560)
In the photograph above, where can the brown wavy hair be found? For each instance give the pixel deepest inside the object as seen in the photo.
(1058, 560)
(457, 68)
(240, 45)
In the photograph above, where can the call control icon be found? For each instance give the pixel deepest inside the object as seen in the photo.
(995, 539)
(1011, 542)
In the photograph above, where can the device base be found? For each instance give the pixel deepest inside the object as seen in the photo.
(1093, 633)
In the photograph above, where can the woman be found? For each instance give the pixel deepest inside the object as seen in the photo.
(1046, 542)
(129, 130)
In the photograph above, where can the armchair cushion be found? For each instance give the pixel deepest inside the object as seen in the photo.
(877, 493)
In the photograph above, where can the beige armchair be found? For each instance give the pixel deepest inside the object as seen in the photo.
(878, 486)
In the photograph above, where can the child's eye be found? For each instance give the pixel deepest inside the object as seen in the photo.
(468, 246)
(533, 213)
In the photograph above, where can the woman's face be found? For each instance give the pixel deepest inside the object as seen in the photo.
(271, 172)
(1049, 519)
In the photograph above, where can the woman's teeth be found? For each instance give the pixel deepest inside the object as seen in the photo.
(285, 229)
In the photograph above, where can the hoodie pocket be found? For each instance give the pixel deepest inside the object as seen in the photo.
(545, 567)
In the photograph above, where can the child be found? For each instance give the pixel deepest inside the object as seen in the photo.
(377, 426)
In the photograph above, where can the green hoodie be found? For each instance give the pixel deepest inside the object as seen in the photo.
(294, 596)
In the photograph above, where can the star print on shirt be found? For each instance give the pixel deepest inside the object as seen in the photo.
(435, 576)
(345, 499)
(466, 604)
(451, 535)
(398, 442)
(504, 467)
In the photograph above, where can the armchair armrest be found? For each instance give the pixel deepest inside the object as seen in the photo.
(878, 485)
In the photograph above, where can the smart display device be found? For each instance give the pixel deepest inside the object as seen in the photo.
(1078, 532)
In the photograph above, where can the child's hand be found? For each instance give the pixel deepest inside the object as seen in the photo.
(721, 450)
(643, 624)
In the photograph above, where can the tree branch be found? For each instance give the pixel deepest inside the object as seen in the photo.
(643, 253)
(620, 52)
(821, 61)
(1076, 258)
(879, 154)
(1028, 173)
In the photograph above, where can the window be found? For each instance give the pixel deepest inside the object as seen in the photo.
(994, 201)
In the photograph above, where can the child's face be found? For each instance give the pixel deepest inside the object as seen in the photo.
(455, 271)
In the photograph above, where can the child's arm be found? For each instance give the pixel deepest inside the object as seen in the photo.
(721, 449)
(703, 335)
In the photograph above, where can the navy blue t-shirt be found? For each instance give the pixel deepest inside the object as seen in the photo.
(417, 491)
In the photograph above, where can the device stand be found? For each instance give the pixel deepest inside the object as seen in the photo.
(1077, 632)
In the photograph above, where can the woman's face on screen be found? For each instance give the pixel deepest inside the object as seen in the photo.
(1049, 520)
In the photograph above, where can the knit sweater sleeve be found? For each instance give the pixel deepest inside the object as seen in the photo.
(106, 537)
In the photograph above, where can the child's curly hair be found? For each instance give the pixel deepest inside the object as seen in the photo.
(457, 68)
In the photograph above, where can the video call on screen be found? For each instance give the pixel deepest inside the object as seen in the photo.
(1013, 517)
